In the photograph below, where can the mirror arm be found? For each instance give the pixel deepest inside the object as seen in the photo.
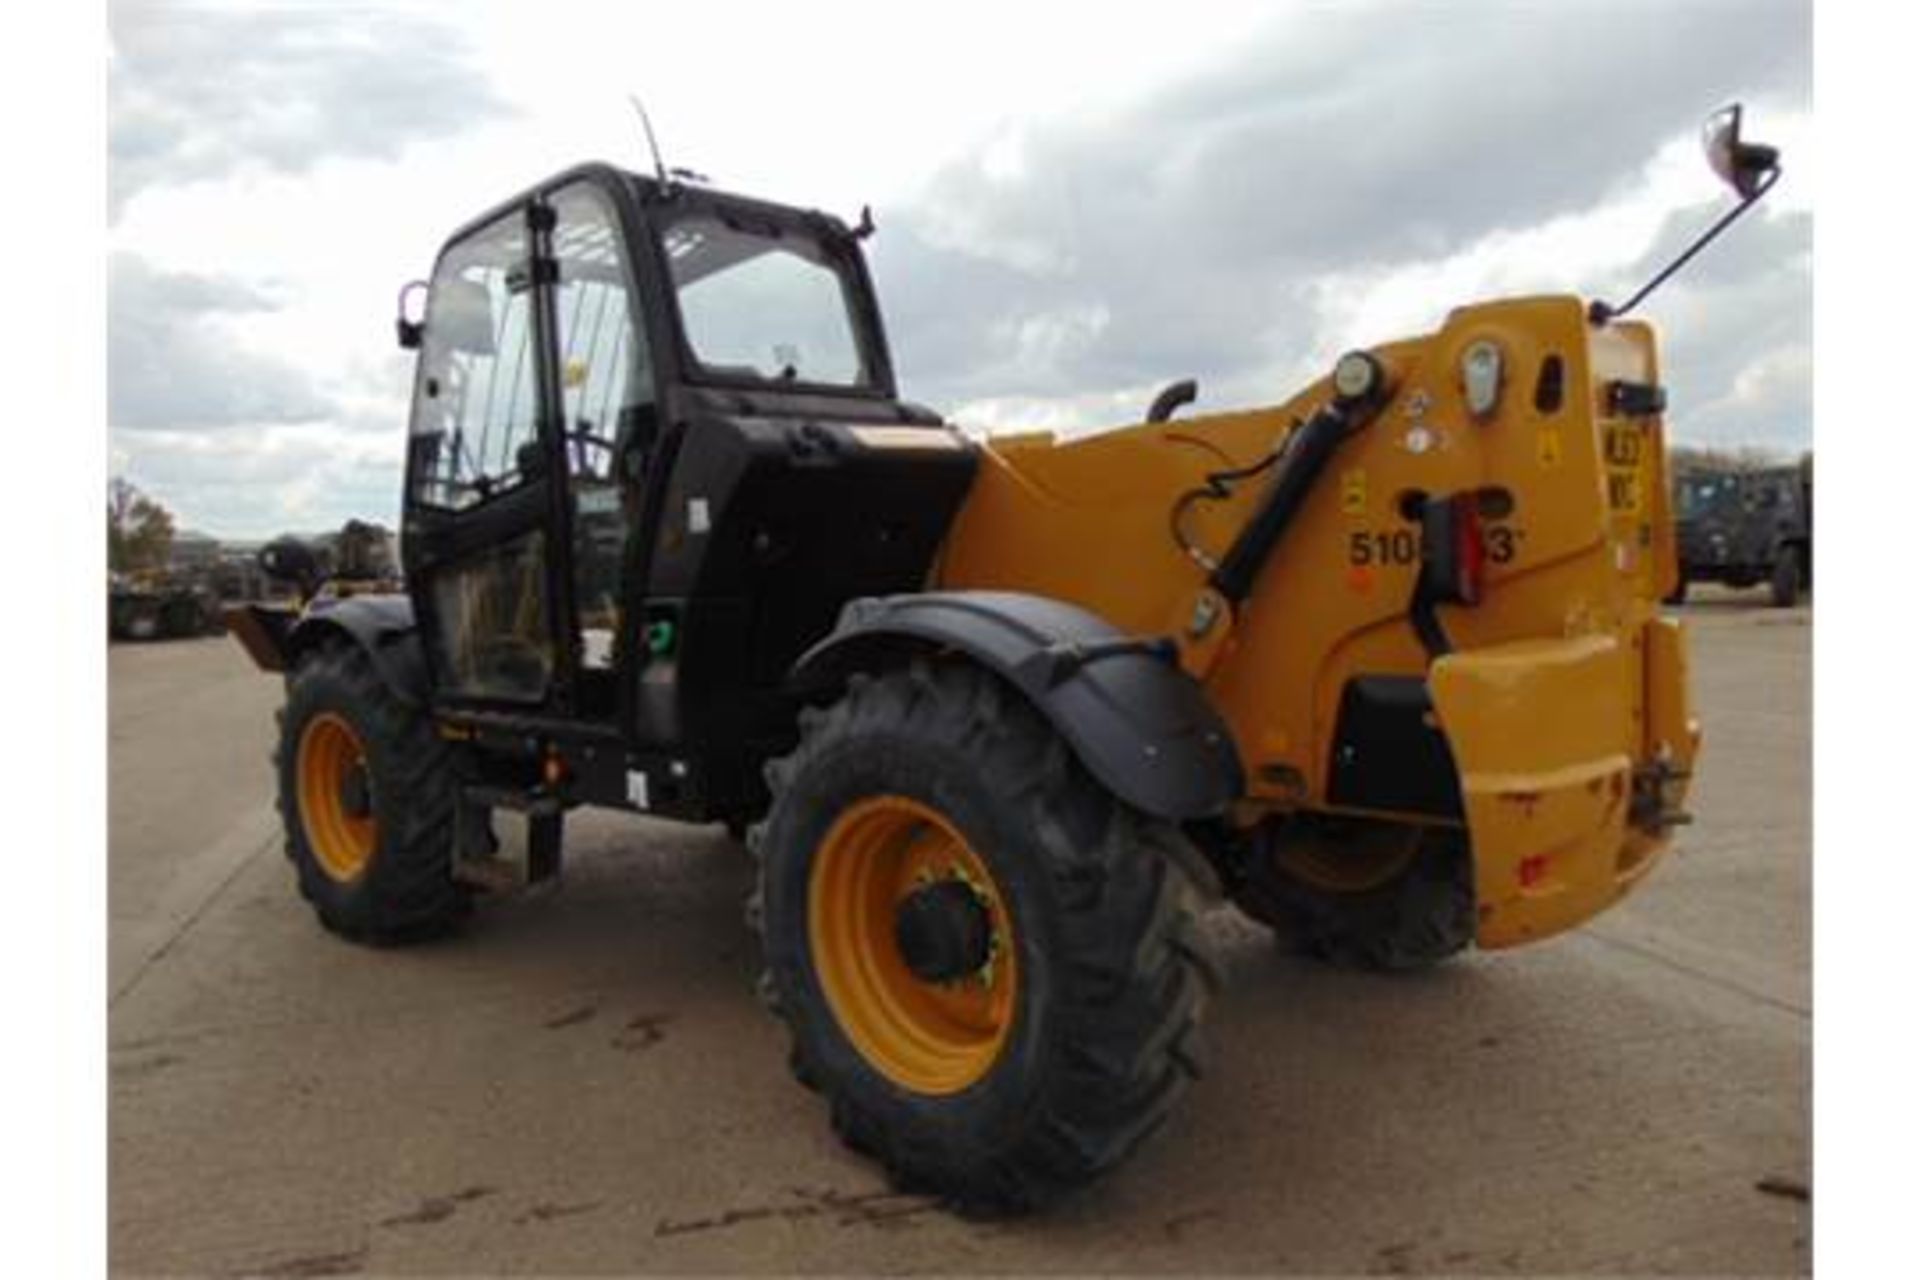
(1599, 312)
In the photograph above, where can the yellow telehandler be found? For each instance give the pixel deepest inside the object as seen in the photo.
(1383, 664)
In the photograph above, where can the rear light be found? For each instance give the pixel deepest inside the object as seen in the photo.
(1453, 560)
(1453, 550)
(1470, 548)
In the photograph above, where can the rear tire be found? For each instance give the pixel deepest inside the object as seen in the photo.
(1416, 915)
(1035, 1087)
(1788, 578)
(367, 795)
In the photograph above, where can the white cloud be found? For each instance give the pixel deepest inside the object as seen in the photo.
(266, 478)
(178, 356)
(1065, 416)
(1067, 222)
(208, 90)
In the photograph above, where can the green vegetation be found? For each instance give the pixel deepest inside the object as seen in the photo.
(139, 529)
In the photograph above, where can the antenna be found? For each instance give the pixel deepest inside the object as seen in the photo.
(659, 165)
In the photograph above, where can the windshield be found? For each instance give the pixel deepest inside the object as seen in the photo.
(763, 304)
(1701, 494)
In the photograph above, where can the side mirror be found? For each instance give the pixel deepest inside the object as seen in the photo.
(409, 332)
(1748, 167)
(1742, 165)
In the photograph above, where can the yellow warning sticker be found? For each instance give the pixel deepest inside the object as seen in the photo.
(1548, 443)
(1353, 491)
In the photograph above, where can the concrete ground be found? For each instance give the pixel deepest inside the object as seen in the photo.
(583, 1082)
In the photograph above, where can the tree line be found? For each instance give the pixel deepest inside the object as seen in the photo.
(139, 530)
(1747, 457)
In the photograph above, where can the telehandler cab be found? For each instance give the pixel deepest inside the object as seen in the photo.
(1384, 664)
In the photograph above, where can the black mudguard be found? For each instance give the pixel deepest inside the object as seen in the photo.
(382, 625)
(1138, 723)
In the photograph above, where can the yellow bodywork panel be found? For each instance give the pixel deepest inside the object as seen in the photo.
(1089, 521)
(1580, 549)
(1546, 739)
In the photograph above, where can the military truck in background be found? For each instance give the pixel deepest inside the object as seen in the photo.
(1745, 526)
(158, 604)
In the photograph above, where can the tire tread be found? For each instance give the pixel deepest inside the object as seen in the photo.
(410, 895)
(1135, 977)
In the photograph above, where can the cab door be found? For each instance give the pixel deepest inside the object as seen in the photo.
(481, 528)
(609, 433)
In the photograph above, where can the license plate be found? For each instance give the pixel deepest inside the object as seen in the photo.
(1624, 448)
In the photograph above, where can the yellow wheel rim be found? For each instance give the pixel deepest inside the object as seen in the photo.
(1366, 862)
(929, 1037)
(329, 767)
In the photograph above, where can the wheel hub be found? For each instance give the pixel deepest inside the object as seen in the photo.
(356, 797)
(335, 796)
(914, 944)
(943, 931)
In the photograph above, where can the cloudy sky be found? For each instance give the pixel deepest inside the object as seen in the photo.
(1074, 209)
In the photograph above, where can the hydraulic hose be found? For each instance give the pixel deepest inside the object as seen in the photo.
(1304, 459)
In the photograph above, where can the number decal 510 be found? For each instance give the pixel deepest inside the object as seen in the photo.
(1403, 546)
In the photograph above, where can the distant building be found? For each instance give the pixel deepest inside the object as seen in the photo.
(191, 551)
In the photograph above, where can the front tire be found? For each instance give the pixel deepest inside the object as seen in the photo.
(931, 818)
(366, 796)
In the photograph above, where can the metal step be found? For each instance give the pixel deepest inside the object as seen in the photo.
(505, 874)
(494, 874)
(532, 803)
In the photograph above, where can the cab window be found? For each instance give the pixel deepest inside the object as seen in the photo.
(476, 395)
(763, 304)
(607, 396)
